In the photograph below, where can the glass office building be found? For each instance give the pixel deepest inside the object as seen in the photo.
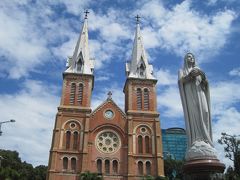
(174, 142)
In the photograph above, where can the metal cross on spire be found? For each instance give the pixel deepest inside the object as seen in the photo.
(137, 19)
(109, 95)
(86, 13)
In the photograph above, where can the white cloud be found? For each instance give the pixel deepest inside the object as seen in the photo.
(18, 43)
(228, 122)
(182, 29)
(75, 7)
(215, 2)
(235, 72)
(168, 97)
(22, 43)
(224, 98)
(150, 38)
(101, 54)
(226, 118)
(165, 77)
(117, 96)
(33, 108)
(30, 34)
(103, 76)
(110, 33)
(28, 38)
(169, 102)
(224, 95)
(109, 25)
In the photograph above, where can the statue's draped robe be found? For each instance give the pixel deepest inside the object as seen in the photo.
(196, 105)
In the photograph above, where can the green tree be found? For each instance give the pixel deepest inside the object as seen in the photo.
(90, 176)
(232, 150)
(12, 168)
(161, 178)
(230, 174)
(40, 172)
(173, 168)
(148, 178)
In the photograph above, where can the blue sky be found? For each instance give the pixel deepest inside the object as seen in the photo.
(37, 36)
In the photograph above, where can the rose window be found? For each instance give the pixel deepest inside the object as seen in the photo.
(108, 142)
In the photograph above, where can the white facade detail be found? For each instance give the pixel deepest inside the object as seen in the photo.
(80, 61)
(139, 67)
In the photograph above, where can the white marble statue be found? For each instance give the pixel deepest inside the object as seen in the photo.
(194, 90)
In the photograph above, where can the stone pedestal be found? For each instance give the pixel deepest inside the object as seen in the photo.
(203, 169)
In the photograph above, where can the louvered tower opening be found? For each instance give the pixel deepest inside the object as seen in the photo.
(139, 99)
(72, 93)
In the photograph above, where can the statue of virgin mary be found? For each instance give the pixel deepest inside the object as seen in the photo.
(194, 91)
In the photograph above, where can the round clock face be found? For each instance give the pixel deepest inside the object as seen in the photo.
(109, 114)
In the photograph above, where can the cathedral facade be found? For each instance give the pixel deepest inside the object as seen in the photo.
(107, 140)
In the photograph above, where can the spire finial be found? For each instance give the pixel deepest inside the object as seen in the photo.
(86, 13)
(137, 19)
(109, 95)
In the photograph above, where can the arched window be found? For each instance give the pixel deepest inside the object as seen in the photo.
(75, 140)
(140, 168)
(68, 138)
(107, 166)
(147, 144)
(73, 164)
(140, 144)
(142, 69)
(72, 93)
(115, 166)
(139, 99)
(148, 168)
(99, 166)
(146, 99)
(65, 163)
(80, 94)
(79, 65)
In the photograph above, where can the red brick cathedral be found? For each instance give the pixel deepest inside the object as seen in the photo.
(115, 143)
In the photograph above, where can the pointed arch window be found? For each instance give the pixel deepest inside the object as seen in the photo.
(75, 140)
(148, 168)
(73, 164)
(80, 94)
(68, 139)
(115, 166)
(140, 144)
(65, 163)
(72, 93)
(140, 167)
(107, 166)
(147, 144)
(80, 63)
(99, 166)
(139, 99)
(79, 66)
(142, 68)
(146, 99)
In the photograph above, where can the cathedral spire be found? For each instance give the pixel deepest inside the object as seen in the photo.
(80, 61)
(139, 67)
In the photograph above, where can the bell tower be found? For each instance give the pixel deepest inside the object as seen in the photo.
(144, 135)
(70, 134)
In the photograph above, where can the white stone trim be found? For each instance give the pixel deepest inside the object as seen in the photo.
(74, 120)
(114, 132)
(136, 127)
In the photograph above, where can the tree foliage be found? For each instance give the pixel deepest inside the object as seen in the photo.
(232, 150)
(154, 178)
(90, 176)
(173, 168)
(12, 168)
